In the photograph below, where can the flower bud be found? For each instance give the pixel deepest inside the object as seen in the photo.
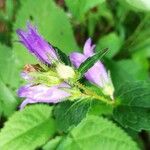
(37, 45)
(49, 78)
(108, 89)
(97, 74)
(65, 72)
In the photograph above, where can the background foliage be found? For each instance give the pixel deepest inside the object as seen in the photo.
(122, 26)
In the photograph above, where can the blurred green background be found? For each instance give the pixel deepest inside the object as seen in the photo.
(123, 26)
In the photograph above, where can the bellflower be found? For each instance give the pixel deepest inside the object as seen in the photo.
(48, 85)
(36, 44)
(42, 87)
(97, 74)
(43, 93)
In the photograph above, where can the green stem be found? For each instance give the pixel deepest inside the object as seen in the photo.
(93, 95)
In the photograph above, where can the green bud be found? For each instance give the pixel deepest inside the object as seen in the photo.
(49, 78)
(65, 72)
(108, 89)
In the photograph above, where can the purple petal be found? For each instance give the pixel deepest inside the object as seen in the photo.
(57, 94)
(77, 58)
(25, 102)
(42, 93)
(23, 91)
(88, 48)
(97, 74)
(36, 44)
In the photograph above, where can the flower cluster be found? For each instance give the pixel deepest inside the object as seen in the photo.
(54, 81)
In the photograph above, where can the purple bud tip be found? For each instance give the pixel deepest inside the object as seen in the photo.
(36, 44)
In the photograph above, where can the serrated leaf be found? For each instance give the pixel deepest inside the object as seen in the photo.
(52, 23)
(98, 133)
(89, 62)
(69, 114)
(133, 110)
(28, 129)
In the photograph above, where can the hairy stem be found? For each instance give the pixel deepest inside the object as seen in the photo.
(93, 95)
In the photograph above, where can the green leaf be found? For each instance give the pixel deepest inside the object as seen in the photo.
(89, 62)
(69, 114)
(52, 23)
(9, 81)
(9, 67)
(98, 133)
(28, 129)
(52, 144)
(112, 41)
(133, 110)
(8, 102)
(100, 108)
(78, 8)
(143, 5)
(127, 70)
(62, 56)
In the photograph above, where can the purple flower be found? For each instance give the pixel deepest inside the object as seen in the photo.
(43, 93)
(97, 74)
(36, 44)
(45, 86)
